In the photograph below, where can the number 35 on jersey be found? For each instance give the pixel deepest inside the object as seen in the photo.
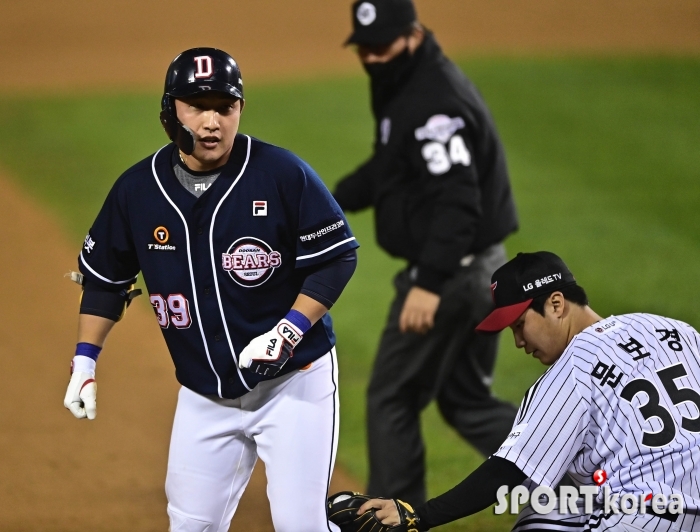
(446, 149)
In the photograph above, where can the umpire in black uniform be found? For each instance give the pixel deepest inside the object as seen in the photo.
(439, 185)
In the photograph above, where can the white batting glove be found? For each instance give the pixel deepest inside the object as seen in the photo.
(81, 396)
(267, 353)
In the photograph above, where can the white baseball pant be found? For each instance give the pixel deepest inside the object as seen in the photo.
(291, 423)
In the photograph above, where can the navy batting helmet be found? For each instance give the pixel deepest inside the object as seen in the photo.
(195, 71)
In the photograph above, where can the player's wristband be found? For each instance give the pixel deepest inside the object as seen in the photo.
(85, 359)
(297, 319)
(87, 350)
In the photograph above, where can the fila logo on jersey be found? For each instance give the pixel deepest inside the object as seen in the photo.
(259, 208)
(204, 67)
(250, 262)
(162, 236)
(89, 244)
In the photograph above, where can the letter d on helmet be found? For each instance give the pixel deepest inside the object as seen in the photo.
(195, 71)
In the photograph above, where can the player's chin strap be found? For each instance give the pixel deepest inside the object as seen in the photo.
(179, 133)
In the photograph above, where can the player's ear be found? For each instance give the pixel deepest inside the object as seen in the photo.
(242, 104)
(557, 302)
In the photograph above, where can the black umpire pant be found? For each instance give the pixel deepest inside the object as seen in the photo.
(451, 363)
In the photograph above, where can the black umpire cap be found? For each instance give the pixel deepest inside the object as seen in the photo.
(377, 22)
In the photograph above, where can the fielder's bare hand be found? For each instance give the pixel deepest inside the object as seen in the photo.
(418, 313)
(386, 510)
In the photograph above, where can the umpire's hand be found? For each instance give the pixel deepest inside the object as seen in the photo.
(418, 313)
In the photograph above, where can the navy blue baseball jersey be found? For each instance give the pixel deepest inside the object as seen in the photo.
(223, 268)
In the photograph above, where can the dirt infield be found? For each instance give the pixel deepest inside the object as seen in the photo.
(74, 44)
(60, 474)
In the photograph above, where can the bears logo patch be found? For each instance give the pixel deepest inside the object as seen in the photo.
(250, 262)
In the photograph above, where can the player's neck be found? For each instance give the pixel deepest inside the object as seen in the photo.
(580, 319)
(196, 165)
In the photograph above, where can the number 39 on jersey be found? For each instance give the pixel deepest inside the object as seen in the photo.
(173, 308)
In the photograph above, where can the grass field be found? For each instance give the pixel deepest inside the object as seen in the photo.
(604, 160)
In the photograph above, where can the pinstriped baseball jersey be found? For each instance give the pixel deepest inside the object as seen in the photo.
(624, 397)
(223, 268)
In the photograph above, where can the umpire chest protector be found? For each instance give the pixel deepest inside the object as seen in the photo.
(223, 268)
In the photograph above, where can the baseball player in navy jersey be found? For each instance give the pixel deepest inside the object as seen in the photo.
(243, 251)
(618, 410)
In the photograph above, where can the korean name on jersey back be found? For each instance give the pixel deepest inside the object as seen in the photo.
(232, 274)
(626, 397)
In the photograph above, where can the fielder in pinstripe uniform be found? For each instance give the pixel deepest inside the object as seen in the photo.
(618, 410)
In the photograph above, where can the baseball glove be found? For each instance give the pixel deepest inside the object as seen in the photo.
(342, 510)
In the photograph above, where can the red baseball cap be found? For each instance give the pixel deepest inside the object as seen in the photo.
(515, 284)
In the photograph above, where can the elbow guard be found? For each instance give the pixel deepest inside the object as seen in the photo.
(99, 301)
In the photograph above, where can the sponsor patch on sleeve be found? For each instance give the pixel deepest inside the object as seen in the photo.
(321, 232)
(514, 435)
(607, 325)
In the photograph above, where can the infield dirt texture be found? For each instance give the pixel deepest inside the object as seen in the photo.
(60, 474)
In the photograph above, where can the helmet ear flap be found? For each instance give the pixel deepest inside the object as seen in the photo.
(176, 131)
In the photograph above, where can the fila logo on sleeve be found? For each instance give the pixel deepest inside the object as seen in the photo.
(204, 67)
(259, 208)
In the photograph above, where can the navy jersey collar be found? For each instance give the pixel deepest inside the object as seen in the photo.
(229, 171)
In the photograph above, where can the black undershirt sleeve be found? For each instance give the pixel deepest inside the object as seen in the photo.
(326, 281)
(473, 494)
